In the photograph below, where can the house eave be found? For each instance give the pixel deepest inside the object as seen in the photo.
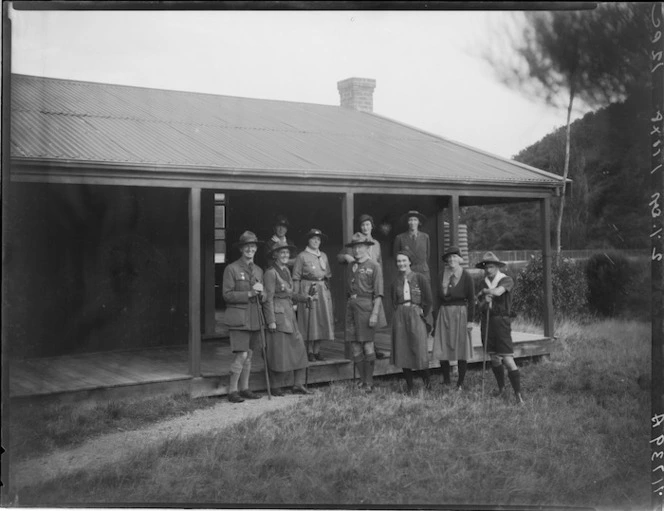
(43, 170)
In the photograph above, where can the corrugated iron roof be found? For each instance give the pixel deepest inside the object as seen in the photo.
(55, 119)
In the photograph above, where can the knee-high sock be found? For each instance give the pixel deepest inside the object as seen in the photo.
(426, 378)
(236, 370)
(408, 375)
(500, 376)
(369, 368)
(246, 370)
(361, 372)
(462, 372)
(445, 366)
(515, 380)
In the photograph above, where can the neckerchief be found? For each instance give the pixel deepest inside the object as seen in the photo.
(318, 254)
(492, 284)
(283, 273)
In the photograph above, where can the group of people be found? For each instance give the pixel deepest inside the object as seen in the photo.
(291, 305)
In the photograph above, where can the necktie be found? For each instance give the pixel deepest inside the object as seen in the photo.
(251, 271)
(452, 281)
(406, 290)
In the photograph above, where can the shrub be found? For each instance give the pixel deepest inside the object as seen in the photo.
(570, 289)
(608, 276)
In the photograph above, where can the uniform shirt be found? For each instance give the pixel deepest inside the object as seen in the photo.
(502, 305)
(311, 266)
(365, 278)
(420, 249)
(238, 281)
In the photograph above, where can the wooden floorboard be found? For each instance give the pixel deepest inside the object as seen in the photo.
(167, 368)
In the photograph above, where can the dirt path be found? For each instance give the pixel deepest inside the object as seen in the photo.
(114, 447)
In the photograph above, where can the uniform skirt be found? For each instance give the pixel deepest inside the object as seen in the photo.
(451, 340)
(500, 335)
(321, 325)
(286, 352)
(409, 339)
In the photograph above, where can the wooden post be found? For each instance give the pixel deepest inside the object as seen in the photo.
(207, 249)
(347, 213)
(454, 220)
(545, 222)
(195, 282)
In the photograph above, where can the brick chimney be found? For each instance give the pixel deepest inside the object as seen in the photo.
(357, 93)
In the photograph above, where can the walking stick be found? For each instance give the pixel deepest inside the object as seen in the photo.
(312, 292)
(261, 322)
(486, 342)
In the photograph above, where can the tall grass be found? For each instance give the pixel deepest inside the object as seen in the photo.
(580, 439)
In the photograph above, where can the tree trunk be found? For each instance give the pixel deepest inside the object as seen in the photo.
(559, 222)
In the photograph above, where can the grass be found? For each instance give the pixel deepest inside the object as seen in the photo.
(36, 430)
(580, 440)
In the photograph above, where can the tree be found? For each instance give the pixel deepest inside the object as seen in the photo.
(596, 56)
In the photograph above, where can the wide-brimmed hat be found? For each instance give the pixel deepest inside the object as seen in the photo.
(489, 257)
(451, 250)
(315, 232)
(365, 218)
(245, 238)
(359, 239)
(278, 246)
(281, 220)
(412, 212)
(405, 251)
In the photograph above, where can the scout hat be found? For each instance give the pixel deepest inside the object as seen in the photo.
(315, 232)
(281, 220)
(279, 245)
(245, 238)
(489, 257)
(359, 239)
(365, 218)
(451, 250)
(412, 212)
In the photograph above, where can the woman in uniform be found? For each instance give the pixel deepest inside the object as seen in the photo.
(455, 316)
(285, 347)
(411, 297)
(416, 242)
(311, 276)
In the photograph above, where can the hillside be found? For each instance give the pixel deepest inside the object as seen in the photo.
(607, 203)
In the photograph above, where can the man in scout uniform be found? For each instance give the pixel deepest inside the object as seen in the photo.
(242, 291)
(496, 296)
(364, 312)
(366, 225)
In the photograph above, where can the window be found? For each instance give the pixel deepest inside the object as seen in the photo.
(219, 227)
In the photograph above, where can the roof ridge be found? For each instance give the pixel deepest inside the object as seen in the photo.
(175, 91)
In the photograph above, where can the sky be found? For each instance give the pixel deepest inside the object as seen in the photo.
(428, 66)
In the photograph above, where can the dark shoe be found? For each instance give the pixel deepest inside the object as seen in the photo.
(278, 392)
(368, 388)
(311, 357)
(318, 356)
(247, 394)
(234, 397)
(299, 389)
(380, 354)
(498, 393)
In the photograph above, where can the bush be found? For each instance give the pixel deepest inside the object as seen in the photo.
(570, 289)
(608, 277)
